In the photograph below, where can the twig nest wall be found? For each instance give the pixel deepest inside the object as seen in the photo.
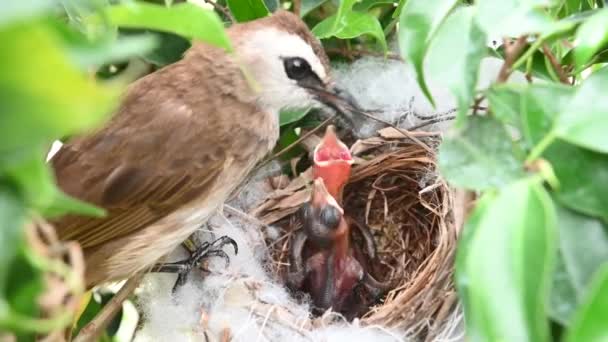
(396, 190)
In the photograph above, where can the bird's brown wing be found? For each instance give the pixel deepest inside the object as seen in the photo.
(158, 153)
(134, 193)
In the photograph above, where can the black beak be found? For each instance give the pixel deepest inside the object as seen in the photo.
(347, 108)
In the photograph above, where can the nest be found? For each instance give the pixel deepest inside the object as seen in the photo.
(395, 187)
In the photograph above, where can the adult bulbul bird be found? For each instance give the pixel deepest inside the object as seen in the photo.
(182, 140)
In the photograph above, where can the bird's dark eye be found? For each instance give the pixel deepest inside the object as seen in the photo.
(330, 216)
(297, 68)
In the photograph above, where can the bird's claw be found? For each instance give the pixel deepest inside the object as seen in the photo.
(206, 250)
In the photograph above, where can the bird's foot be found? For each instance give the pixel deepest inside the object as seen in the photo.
(204, 251)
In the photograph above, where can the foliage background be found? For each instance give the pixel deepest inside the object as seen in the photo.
(531, 262)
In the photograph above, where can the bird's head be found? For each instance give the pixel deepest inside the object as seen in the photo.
(322, 216)
(288, 63)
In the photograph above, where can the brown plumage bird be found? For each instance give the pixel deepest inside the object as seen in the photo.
(183, 139)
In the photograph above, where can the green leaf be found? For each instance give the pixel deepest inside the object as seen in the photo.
(288, 116)
(36, 183)
(272, 5)
(463, 282)
(12, 217)
(185, 19)
(532, 108)
(418, 22)
(479, 156)
(583, 178)
(584, 121)
(104, 50)
(63, 204)
(508, 265)
(346, 24)
(13, 11)
(513, 18)
(34, 180)
(591, 37)
(589, 324)
(42, 95)
(465, 44)
(247, 10)
(365, 5)
(583, 246)
(170, 50)
(309, 6)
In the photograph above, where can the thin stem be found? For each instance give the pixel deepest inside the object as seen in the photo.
(556, 65)
(535, 46)
(540, 147)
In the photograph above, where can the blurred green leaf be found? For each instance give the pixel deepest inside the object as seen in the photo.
(104, 50)
(36, 182)
(532, 108)
(13, 11)
(583, 247)
(185, 19)
(564, 298)
(418, 23)
(591, 36)
(465, 44)
(310, 5)
(288, 137)
(24, 287)
(272, 5)
(42, 95)
(508, 265)
(463, 281)
(96, 303)
(365, 5)
(63, 204)
(540, 106)
(513, 18)
(247, 10)
(12, 216)
(585, 120)
(583, 178)
(479, 156)
(346, 24)
(170, 50)
(589, 324)
(34, 179)
(289, 116)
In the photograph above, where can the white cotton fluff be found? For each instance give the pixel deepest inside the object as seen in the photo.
(391, 86)
(256, 189)
(241, 299)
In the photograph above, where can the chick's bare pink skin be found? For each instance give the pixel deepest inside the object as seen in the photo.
(331, 273)
(332, 162)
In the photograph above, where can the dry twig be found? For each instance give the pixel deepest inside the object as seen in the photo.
(95, 328)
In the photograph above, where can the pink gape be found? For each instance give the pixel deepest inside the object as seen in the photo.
(331, 272)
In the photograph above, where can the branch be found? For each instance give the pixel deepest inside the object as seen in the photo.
(95, 328)
(555, 63)
(512, 51)
(297, 7)
(225, 11)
